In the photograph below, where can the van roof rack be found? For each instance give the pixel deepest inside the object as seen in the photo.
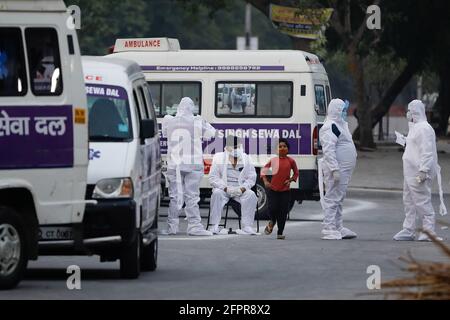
(147, 44)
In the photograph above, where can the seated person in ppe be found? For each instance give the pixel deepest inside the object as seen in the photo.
(233, 175)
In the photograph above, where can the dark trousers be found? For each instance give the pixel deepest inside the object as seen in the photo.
(279, 208)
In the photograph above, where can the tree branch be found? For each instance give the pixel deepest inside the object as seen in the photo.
(362, 27)
(347, 16)
(396, 87)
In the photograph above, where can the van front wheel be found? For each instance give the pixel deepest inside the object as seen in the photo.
(130, 264)
(150, 256)
(13, 255)
(263, 201)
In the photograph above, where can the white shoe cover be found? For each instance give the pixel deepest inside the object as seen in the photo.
(424, 237)
(331, 235)
(171, 231)
(347, 233)
(198, 230)
(200, 233)
(215, 229)
(246, 231)
(404, 235)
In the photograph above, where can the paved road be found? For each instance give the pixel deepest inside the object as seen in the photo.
(251, 267)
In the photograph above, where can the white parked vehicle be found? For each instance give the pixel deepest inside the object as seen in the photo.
(43, 133)
(258, 95)
(124, 175)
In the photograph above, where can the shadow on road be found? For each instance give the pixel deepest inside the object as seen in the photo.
(49, 274)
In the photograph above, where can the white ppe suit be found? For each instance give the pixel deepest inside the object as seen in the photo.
(420, 168)
(184, 134)
(335, 168)
(219, 181)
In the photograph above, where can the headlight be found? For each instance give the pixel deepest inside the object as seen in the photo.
(113, 188)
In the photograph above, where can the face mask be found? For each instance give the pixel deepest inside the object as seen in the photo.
(236, 153)
(345, 110)
(283, 152)
(409, 116)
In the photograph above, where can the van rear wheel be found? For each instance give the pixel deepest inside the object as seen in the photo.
(263, 201)
(149, 256)
(13, 255)
(130, 264)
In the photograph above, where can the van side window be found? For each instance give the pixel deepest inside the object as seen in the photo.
(150, 103)
(254, 99)
(144, 107)
(137, 108)
(44, 61)
(320, 100)
(13, 79)
(155, 92)
(328, 92)
(167, 95)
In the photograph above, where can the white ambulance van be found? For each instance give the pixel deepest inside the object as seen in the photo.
(124, 175)
(260, 96)
(43, 133)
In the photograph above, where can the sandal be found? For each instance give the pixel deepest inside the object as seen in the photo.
(269, 228)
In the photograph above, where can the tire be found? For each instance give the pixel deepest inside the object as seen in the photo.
(291, 205)
(130, 259)
(13, 248)
(149, 256)
(263, 201)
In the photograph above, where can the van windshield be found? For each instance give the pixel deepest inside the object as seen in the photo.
(109, 114)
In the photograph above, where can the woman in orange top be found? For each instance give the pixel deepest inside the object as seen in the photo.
(279, 187)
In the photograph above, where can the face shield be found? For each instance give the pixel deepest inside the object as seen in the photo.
(345, 110)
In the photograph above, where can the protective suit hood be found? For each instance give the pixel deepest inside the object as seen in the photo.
(417, 110)
(185, 108)
(335, 109)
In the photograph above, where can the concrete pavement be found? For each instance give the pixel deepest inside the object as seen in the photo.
(253, 267)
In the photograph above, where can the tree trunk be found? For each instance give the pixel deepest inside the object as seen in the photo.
(383, 106)
(444, 99)
(363, 111)
(301, 44)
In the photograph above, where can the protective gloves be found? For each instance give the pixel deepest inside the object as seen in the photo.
(234, 191)
(421, 177)
(237, 192)
(336, 176)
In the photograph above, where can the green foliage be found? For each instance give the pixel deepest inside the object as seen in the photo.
(199, 24)
(104, 21)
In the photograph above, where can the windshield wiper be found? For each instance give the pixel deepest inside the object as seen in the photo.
(106, 138)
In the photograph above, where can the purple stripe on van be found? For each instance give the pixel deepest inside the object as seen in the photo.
(100, 90)
(235, 68)
(258, 138)
(36, 137)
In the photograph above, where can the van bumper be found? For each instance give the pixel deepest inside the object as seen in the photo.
(110, 218)
(107, 227)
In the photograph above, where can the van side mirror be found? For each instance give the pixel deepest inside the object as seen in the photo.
(147, 129)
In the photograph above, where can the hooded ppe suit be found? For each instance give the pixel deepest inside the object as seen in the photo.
(243, 176)
(184, 134)
(335, 169)
(420, 167)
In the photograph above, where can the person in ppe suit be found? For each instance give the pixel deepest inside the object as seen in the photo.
(335, 169)
(420, 167)
(233, 175)
(184, 134)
